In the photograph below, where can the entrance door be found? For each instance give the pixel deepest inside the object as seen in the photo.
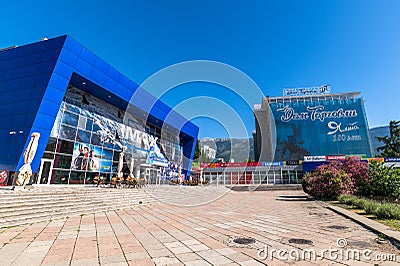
(153, 176)
(46, 165)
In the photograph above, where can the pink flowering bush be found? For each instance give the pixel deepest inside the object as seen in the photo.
(339, 177)
(327, 182)
(358, 172)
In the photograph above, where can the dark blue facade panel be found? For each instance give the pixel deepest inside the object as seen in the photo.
(26, 71)
(15, 96)
(42, 79)
(42, 48)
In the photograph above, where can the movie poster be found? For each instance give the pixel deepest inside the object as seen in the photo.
(91, 158)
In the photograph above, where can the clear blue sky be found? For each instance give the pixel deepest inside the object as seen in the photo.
(352, 45)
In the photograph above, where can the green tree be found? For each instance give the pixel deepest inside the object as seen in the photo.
(385, 180)
(197, 151)
(391, 147)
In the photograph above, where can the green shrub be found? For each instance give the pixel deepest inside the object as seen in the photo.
(370, 207)
(380, 210)
(346, 199)
(387, 211)
(385, 181)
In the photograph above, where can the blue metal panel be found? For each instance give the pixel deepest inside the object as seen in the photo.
(68, 58)
(72, 45)
(88, 56)
(83, 68)
(51, 107)
(102, 66)
(63, 70)
(59, 82)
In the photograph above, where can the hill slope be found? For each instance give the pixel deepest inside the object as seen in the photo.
(242, 149)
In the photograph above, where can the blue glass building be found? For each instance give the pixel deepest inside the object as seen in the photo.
(87, 113)
(330, 124)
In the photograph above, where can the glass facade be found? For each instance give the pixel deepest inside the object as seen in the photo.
(89, 135)
(319, 126)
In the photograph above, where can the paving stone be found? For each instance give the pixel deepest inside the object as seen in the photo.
(206, 254)
(142, 262)
(197, 263)
(85, 262)
(136, 255)
(199, 247)
(238, 257)
(165, 260)
(226, 251)
(185, 257)
(218, 260)
(191, 242)
(174, 244)
(112, 259)
(252, 263)
(179, 250)
(155, 253)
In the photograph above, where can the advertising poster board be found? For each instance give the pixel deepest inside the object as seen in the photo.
(3, 178)
(91, 158)
(328, 126)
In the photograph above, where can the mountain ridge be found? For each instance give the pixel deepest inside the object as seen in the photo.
(243, 149)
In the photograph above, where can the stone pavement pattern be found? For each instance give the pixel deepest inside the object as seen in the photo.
(167, 234)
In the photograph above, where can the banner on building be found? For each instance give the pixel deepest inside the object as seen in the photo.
(91, 158)
(327, 126)
(155, 157)
(392, 160)
(381, 160)
(335, 157)
(314, 158)
(3, 178)
(324, 89)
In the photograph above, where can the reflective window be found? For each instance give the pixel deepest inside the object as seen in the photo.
(96, 139)
(89, 124)
(51, 144)
(83, 136)
(70, 119)
(62, 161)
(82, 122)
(59, 177)
(67, 132)
(64, 146)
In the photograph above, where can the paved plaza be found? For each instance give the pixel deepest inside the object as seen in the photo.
(176, 230)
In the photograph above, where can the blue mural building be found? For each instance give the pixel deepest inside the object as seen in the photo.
(87, 113)
(311, 125)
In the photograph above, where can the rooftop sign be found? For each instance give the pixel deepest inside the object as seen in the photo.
(324, 89)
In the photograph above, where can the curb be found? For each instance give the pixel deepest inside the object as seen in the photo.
(366, 222)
